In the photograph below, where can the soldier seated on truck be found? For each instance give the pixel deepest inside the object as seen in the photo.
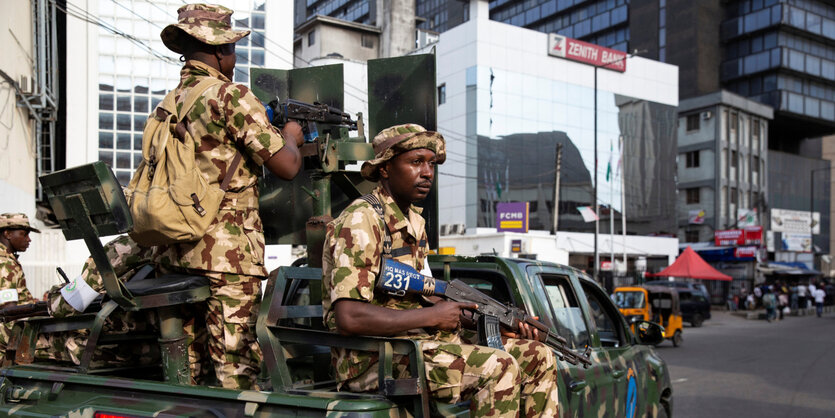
(497, 383)
(126, 257)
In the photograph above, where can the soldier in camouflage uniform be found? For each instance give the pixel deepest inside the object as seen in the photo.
(14, 238)
(126, 257)
(498, 383)
(227, 120)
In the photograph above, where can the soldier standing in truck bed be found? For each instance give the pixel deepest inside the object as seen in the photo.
(226, 121)
(14, 238)
(497, 383)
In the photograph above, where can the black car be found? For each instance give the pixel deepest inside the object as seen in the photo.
(695, 301)
(695, 306)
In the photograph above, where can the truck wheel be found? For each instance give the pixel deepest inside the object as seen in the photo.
(677, 339)
(696, 321)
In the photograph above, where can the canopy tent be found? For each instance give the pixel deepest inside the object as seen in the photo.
(690, 265)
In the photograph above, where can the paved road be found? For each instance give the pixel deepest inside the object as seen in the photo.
(732, 367)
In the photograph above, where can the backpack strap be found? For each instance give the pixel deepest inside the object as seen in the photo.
(191, 99)
(378, 207)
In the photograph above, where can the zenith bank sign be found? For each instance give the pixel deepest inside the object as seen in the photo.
(572, 49)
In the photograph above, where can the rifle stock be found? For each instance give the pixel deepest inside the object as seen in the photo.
(15, 312)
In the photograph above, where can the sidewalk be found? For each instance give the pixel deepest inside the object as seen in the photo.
(760, 313)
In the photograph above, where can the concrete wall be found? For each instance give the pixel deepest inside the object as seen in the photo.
(397, 20)
(17, 140)
(347, 43)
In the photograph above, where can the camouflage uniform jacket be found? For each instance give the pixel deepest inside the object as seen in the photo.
(351, 264)
(11, 276)
(227, 119)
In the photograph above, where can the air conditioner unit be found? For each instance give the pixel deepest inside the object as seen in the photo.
(25, 84)
(458, 229)
(707, 115)
(445, 229)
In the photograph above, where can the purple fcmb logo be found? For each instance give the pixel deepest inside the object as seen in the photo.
(512, 216)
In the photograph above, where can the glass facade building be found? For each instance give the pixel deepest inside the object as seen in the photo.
(135, 74)
(524, 117)
(782, 53)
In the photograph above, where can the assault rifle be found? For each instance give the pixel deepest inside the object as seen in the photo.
(14, 312)
(398, 279)
(307, 115)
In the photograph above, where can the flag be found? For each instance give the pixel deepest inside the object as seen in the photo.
(620, 155)
(588, 213)
(609, 166)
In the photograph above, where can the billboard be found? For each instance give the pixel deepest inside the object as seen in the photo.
(696, 217)
(751, 235)
(795, 221)
(746, 217)
(512, 216)
(801, 243)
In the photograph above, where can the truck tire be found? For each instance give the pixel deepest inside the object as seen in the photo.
(696, 321)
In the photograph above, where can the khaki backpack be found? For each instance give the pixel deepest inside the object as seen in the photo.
(170, 200)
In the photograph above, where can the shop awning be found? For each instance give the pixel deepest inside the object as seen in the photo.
(690, 265)
(788, 268)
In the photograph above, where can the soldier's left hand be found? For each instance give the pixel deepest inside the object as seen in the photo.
(526, 332)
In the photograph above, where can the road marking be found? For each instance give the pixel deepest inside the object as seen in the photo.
(682, 380)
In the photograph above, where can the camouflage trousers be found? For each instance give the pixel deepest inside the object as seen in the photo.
(222, 331)
(69, 346)
(497, 383)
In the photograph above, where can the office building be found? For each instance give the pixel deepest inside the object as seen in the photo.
(112, 70)
(722, 164)
(504, 106)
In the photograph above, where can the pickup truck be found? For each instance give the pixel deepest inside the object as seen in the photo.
(626, 378)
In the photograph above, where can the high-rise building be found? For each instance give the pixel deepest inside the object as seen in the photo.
(134, 70)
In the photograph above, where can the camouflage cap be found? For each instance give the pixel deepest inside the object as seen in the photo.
(16, 221)
(209, 23)
(399, 139)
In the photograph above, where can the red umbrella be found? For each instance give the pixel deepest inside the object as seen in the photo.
(690, 265)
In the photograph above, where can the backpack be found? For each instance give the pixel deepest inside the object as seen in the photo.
(170, 200)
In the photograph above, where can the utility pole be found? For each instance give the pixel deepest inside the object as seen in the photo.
(557, 189)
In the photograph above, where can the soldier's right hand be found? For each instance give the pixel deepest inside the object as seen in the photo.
(448, 314)
(292, 131)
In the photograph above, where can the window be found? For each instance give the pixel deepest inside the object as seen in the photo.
(755, 164)
(691, 235)
(733, 158)
(755, 128)
(693, 122)
(367, 41)
(602, 312)
(311, 37)
(442, 94)
(692, 159)
(733, 197)
(692, 195)
(567, 312)
(734, 121)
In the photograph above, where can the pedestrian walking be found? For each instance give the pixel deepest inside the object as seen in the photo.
(802, 290)
(819, 296)
(769, 303)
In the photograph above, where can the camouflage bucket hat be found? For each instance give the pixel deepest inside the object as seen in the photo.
(399, 139)
(16, 221)
(209, 23)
